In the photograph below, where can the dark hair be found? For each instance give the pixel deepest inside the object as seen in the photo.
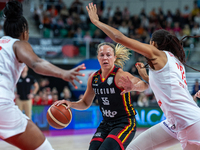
(15, 24)
(169, 42)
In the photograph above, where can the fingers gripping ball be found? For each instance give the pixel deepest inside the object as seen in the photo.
(58, 116)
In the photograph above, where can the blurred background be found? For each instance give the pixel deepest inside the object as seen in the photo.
(61, 32)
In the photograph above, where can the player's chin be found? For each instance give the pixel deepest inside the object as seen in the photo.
(105, 66)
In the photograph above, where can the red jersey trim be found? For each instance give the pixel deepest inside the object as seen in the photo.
(97, 139)
(116, 139)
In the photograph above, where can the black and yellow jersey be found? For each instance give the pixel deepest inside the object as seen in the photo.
(112, 105)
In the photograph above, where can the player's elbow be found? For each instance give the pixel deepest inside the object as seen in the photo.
(87, 105)
(118, 37)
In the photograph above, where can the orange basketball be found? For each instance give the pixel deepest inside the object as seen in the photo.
(58, 116)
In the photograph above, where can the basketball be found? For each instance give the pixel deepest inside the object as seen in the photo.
(58, 116)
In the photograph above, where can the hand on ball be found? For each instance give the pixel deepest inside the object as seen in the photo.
(66, 102)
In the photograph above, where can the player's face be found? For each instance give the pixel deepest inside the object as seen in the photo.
(106, 56)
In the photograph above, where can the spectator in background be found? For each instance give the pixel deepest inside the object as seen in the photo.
(64, 14)
(195, 30)
(66, 94)
(54, 98)
(134, 97)
(76, 6)
(53, 11)
(126, 12)
(97, 34)
(145, 22)
(123, 28)
(195, 89)
(87, 37)
(142, 13)
(186, 30)
(195, 9)
(37, 100)
(83, 16)
(177, 29)
(143, 100)
(39, 13)
(44, 99)
(108, 13)
(1, 31)
(44, 83)
(153, 12)
(79, 37)
(197, 18)
(168, 26)
(160, 11)
(117, 19)
(135, 21)
(25, 92)
(169, 17)
(177, 17)
(46, 20)
(186, 12)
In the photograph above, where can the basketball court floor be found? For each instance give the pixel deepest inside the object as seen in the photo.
(72, 140)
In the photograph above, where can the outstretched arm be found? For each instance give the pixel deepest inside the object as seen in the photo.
(83, 103)
(25, 54)
(146, 50)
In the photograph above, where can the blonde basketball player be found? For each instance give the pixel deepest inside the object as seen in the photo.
(118, 127)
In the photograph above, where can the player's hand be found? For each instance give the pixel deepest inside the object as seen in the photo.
(71, 75)
(141, 70)
(30, 96)
(92, 12)
(197, 94)
(126, 84)
(66, 102)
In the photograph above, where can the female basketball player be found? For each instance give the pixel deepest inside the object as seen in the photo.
(118, 126)
(15, 52)
(167, 79)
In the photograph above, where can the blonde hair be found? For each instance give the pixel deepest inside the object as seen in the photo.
(120, 51)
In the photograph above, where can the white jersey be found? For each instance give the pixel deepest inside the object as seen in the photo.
(170, 88)
(10, 69)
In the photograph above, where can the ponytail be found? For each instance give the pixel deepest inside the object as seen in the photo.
(122, 54)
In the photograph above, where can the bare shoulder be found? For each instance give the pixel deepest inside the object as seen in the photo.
(21, 44)
(90, 77)
(160, 61)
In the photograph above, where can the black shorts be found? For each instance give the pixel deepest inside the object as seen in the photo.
(114, 135)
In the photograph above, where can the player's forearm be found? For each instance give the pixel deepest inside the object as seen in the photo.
(80, 105)
(113, 33)
(141, 86)
(146, 78)
(43, 67)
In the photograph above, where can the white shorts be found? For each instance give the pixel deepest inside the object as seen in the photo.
(165, 125)
(12, 120)
(190, 137)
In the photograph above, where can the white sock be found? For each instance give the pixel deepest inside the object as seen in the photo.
(45, 146)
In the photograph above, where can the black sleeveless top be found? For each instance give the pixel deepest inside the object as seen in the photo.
(112, 105)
